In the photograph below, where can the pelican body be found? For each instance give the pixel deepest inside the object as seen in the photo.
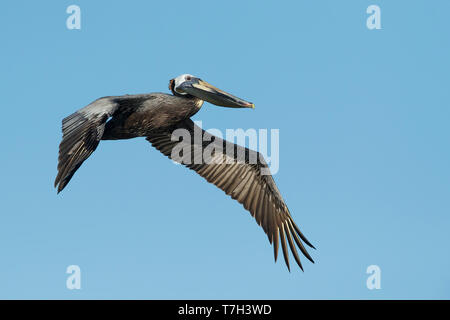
(155, 116)
(142, 115)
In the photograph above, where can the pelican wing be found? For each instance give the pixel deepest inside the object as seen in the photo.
(238, 174)
(82, 132)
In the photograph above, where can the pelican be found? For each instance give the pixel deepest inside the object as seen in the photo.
(156, 116)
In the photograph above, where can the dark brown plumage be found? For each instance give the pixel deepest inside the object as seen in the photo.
(243, 182)
(156, 116)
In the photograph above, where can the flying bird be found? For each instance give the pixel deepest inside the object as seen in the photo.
(156, 116)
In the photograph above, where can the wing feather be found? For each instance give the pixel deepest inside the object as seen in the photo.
(241, 179)
(82, 132)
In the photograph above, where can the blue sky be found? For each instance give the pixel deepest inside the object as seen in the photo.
(364, 158)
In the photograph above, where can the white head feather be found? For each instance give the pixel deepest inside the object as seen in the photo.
(180, 79)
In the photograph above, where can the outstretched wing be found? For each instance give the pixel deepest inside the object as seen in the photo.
(241, 173)
(82, 132)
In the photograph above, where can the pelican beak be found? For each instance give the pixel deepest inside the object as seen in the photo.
(203, 90)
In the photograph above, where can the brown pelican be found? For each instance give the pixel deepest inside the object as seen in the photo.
(156, 116)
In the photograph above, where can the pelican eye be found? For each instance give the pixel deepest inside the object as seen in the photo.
(188, 78)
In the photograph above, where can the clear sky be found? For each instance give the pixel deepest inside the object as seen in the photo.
(364, 149)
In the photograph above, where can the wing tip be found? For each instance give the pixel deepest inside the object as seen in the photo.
(309, 244)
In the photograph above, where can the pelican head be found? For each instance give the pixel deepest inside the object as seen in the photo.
(188, 85)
